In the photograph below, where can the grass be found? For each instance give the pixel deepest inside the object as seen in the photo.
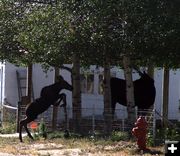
(82, 145)
(8, 128)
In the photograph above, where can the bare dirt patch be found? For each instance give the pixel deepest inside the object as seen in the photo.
(72, 147)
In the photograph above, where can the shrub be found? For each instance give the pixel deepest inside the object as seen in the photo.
(167, 134)
(150, 139)
(118, 136)
(55, 134)
(42, 130)
(8, 128)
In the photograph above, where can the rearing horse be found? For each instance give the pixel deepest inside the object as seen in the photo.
(49, 96)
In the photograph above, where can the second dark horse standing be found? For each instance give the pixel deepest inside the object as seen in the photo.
(144, 92)
(49, 96)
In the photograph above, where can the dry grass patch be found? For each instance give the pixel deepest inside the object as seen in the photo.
(73, 146)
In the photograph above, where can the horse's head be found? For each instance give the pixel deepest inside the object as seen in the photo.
(144, 76)
(64, 84)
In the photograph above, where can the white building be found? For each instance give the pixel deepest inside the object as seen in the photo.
(92, 99)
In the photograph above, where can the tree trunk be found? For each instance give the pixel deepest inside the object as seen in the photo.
(76, 103)
(29, 83)
(25, 100)
(165, 97)
(107, 98)
(129, 91)
(55, 108)
(150, 71)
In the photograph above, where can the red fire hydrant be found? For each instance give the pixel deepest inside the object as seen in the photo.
(140, 131)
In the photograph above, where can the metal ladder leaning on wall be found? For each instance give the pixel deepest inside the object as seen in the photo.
(21, 84)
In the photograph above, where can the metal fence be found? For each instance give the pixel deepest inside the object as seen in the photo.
(9, 115)
(91, 121)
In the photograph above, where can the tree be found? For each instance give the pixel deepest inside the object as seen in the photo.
(55, 45)
(165, 95)
(96, 32)
(109, 29)
(102, 27)
(69, 35)
(55, 108)
(10, 49)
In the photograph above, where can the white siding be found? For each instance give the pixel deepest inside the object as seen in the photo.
(10, 84)
(41, 79)
(158, 85)
(93, 101)
(2, 87)
(174, 95)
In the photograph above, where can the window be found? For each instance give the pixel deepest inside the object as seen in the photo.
(87, 83)
(100, 83)
(92, 82)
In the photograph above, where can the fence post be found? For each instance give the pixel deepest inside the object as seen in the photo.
(66, 111)
(154, 124)
(18, 116)
(93, 121)
(123, 124)
(123, 120)
(1, 117)
(136, 114)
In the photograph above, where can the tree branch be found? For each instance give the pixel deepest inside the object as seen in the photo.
(66, 68)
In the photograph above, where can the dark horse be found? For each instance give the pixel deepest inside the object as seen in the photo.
(49, 96)
(144, 92)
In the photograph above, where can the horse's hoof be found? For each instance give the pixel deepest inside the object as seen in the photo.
(63, 105)
(66, 134)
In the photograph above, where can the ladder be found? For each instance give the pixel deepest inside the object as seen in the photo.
(21, 75)
(21, 83)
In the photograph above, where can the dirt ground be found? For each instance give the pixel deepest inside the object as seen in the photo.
(72, 147)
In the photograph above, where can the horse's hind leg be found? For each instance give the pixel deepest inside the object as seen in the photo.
(24, 123)
(66, 132)
(29, 134)
(20, 130)
(113, 107)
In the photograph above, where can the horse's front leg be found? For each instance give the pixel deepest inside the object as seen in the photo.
(61, 97)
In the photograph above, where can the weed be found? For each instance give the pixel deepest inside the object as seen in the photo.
(8, 128)
(42, 130)
(118, 136)
(150, 139)
(167, 134)
(55, 134)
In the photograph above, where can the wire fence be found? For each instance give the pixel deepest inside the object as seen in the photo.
(9, 114)
(91, 120)
(8, 119)
(0, 116)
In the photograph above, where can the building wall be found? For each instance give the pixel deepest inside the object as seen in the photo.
(94, 101)
(41, 79)
(1, 82)
(10, 84)
(174, 93)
